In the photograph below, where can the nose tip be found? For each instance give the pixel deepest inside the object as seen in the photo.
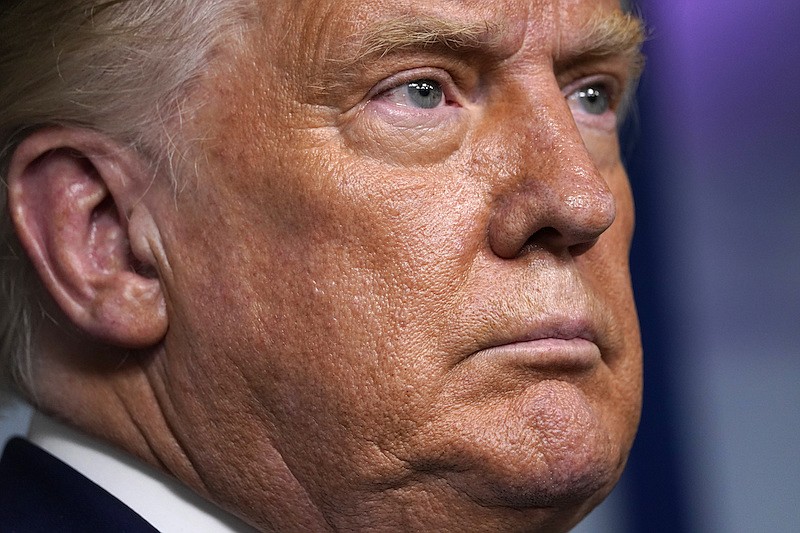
(590, 215)
(571, 216)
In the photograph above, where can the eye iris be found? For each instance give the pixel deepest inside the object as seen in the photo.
(426, 94)
(594, 100)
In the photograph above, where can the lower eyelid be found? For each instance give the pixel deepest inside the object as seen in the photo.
(607, 122)
(394, 112)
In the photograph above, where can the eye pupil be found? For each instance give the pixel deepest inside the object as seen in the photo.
(426, 94)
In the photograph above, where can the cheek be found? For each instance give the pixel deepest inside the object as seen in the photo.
(603, 148)
(329, 303)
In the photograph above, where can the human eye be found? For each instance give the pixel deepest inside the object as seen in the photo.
(419, 93)
(418, 114)
(592, 99)
(594, 103)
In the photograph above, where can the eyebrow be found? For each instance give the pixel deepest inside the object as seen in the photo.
(406, 32)
(608, 35)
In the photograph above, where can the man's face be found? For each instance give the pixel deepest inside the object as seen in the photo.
(399, 289)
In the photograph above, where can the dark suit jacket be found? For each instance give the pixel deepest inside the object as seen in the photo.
(39, 493)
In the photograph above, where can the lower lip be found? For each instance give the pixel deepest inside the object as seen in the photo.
(547, 354)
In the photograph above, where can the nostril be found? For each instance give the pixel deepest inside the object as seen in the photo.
(554, 240)
(546, 235)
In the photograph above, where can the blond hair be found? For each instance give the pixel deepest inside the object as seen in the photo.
(122, 67)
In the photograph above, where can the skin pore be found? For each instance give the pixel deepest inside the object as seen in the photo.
(397, 282)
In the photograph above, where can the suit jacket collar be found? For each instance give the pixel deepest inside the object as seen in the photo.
(39, 493)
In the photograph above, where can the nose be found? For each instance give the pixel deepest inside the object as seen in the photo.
(551, 194)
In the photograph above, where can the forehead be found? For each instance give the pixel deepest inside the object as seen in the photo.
(339, 27)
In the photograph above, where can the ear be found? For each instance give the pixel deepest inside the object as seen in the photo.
(71, 193)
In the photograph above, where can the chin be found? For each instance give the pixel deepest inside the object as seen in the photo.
(564, 483)
(551, 449)
(564, 480)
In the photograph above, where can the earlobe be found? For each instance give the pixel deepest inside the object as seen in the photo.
(69, 194)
